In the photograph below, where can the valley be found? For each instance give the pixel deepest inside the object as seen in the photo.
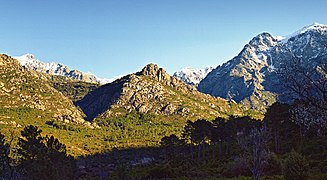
(258, 114)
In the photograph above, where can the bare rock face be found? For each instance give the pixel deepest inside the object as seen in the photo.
(151, 91)
(20, 87)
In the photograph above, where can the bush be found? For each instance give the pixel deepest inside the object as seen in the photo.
(273, 166)
(295, 166)
(236, 168)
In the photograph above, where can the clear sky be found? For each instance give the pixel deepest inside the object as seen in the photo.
(114, 37)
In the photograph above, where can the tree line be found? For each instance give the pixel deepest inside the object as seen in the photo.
(276, 146)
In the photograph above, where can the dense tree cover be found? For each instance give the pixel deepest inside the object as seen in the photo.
(4, 156)
(243, 146)
(36, 156)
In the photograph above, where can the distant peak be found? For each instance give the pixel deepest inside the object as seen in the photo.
(28, 56)
(312, 27)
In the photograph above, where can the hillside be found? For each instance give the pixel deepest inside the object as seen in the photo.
(153, 91)
(135, 111)
(29, 90)
(73, 89)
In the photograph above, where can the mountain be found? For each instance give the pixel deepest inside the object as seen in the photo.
(30, 61)
(153, 91)
(192, 76)
(251, 77)
(23, 91)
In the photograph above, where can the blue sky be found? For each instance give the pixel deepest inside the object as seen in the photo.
(114, 37)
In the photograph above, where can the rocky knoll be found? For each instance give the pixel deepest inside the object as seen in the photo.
(23, 88)
(153, 91)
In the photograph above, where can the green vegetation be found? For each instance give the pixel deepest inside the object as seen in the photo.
(295, 166)
(36, 156)
(133, 130)
(73, 89)
(143, 146)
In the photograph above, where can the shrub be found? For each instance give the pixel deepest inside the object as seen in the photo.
(295, 166)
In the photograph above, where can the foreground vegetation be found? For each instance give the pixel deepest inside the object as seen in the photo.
(127, 148)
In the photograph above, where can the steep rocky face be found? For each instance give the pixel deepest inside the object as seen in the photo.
(22, 88)
(250, 77)
(153, 91)
(52, 68)
(192, 76)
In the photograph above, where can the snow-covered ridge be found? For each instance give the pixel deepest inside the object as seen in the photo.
(251, 75)
(192, 76)
(53, 68)
(312, 27)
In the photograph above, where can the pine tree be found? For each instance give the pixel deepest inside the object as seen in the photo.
(4, 156)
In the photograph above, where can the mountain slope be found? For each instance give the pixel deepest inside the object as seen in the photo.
(21, 88)
(153, 91)
(52, 68)
(74, 90)
(192, 76)
(251, 78)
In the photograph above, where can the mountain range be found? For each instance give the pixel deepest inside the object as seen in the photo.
(54, 68)
(251, 77)
(140, 108)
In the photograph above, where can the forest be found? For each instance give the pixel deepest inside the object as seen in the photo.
(239, 147)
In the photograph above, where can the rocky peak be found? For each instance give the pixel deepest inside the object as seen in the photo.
(263, 41)
(153, 71)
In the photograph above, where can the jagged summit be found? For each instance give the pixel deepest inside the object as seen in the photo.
(153, 71)
(263, 41)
